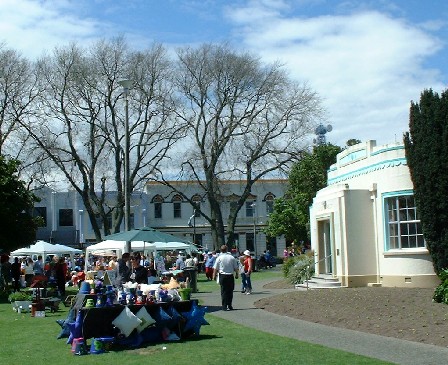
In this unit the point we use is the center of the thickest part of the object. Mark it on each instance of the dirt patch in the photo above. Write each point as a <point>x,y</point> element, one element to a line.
<point>405,313</point>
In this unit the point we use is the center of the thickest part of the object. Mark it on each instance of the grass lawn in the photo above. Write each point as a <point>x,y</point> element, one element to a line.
<point>27,340</point>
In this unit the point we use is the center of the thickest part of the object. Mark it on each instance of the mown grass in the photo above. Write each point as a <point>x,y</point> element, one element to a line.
<point>28,340</point>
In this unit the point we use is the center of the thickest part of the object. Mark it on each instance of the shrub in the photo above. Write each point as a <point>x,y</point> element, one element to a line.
<point>441,292</point>
<point>287,266</point>
<point>19,296</point>
<point>303,269</point>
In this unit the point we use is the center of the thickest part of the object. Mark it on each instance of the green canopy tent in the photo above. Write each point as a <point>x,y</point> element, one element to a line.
<point>145,234</point>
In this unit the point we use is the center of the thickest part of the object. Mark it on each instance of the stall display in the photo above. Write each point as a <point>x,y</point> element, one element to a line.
<point>132,316</point>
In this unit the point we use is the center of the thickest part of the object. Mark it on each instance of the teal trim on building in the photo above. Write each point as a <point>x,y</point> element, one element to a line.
<point>353,156</point>
<point>383,150</point>
<point>367,169</point>
<point>397,193</point>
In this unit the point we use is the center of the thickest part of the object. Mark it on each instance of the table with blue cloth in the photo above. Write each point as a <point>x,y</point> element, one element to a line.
<point>97,322</point>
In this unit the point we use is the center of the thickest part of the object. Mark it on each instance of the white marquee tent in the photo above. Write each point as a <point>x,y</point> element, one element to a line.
<point>44,248</point>
<point>111,247</point>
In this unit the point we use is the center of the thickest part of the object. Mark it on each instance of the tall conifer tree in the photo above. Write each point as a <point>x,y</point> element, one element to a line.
<point>426,146</point>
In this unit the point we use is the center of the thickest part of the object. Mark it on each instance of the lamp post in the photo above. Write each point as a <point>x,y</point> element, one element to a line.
<point>144,217</point>
<point>53,215</point>
<point>194,226</point>
<point>126,85</point>
<point>253,205</point>
<point>81,234</point>
<point>190,224</point>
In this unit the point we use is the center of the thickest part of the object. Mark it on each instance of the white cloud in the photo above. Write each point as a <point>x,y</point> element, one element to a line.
<point>367,66</point>
<point>33,26</point>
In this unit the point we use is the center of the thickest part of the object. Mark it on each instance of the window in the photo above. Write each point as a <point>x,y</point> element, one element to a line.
<point>269,198</point>
<point>157,210</point>
<point>250,209</point>
<point>158,200</point>
<point>177,206</point>
<point>197,205</point>
<point>41,212</point>
<point>403,227</point>
<point>66,217</point>
<point>250,242</point>
<point>271,245</point>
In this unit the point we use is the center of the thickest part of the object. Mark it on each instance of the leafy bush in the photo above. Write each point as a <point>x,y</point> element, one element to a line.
<point>303,269</point>
<point>441,292</point>
<point>287,266</point>
<point>19,296</point>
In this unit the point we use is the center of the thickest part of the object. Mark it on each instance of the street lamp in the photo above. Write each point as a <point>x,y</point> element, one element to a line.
<point>126,85</point>
<point>253,205</point>
<point>53,215</point>
<point>194,226</point>
<point>81,234</point>
<point>144,217</point>
<point>190,224</point>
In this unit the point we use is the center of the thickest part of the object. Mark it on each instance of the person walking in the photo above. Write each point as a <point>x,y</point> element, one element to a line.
<point>209,264</point>
<point>180,264</point>
<point>189,262</point>
<point>38,266</point>
<point>123,270</point>
<point>225,266</point>
<point>247,266</point>
<point>60,272</point>
<point>16,272</point>
<point>242,274</point>
<point>29,271</point>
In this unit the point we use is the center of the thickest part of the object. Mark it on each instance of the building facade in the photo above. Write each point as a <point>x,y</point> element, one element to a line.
<point>365,229</point>
<point>67,221</point>
<point>168,211</point>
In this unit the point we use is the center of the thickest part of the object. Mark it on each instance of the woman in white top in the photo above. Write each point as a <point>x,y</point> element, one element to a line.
<point>29,272</point>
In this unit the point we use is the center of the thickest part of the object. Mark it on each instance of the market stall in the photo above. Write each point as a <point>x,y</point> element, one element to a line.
<point>132,316</point>
<point>45,249</point>
<point>98,322</point>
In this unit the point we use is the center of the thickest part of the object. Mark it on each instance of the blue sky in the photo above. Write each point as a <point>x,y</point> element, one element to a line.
<point>366,59</point>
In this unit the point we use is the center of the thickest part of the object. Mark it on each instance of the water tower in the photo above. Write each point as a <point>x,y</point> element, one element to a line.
<point>320,131</point>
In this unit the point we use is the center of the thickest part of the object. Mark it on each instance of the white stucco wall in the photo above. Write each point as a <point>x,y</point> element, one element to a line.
<point>358,182</point>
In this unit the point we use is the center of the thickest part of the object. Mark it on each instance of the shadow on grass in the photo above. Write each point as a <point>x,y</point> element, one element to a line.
<point>213,308</point>
<point>148,345</point>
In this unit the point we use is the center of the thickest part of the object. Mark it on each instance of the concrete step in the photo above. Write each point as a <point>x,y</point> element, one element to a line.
<point>320,282</point>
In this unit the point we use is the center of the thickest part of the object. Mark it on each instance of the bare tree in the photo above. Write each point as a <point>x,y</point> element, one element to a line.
<point>244,120</point>
<point>18,91</point>
<point>81,122</point>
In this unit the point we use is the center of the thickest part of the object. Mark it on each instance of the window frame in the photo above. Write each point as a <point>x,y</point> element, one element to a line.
<point>65,217</point>
<point>250,209</point>
<point>269,200</point>
<point>401,223</point>
<point>177,206</point>
<point>158,207</point>
<point>158,210</point>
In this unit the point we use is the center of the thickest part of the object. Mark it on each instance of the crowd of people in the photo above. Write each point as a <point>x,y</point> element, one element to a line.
<point>224,267</point>
<point>21,272</point>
